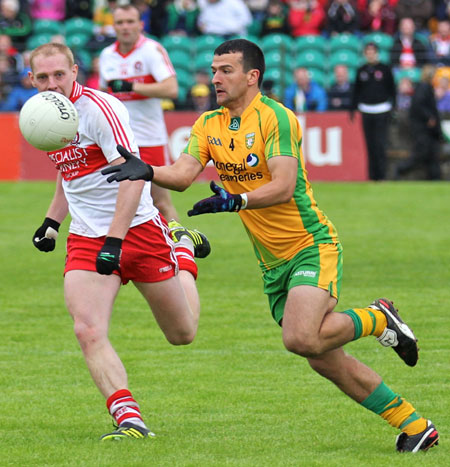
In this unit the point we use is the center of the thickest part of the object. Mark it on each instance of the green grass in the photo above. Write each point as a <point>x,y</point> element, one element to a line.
<point>234,397</point>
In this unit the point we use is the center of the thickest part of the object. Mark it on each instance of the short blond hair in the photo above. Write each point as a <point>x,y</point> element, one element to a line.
<point>50,49</point>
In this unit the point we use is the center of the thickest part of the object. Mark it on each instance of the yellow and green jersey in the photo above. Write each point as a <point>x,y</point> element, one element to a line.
<point>240,148</point>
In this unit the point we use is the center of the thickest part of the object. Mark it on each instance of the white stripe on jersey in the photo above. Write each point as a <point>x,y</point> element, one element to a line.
<point>116,126</point>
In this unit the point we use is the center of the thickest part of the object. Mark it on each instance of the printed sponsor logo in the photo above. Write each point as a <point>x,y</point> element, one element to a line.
<point>306,273</point>
<point>252,160</point>
<point>165,269</point>
<point>214,141</point>
<point>237,172</point>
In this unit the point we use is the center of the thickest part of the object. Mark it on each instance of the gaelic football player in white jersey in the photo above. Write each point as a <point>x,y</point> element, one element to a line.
<point>137,70</point>
<point>115,235</point>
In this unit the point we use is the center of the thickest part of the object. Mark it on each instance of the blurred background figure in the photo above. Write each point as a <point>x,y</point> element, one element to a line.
<point>442,93</point>
<point>14,22</point>
<point>53,10</point>
<point>405,91</point>
<point>306,17</point>
<point>19,94</point>
<point>420,11</point>
<point>440,44</point>
<point>408,51</point>
<point>426,131</point>
<point>93,77</point>
<point>342,17</point>
<point>378,16</point>
<point>182,17</point>
<point>267,88</point>
<point>341,92</point>
<point>200,98</point>
<point>305,95</point>
<point>104,23</point>
<point>202,77</point>
<point>275,19</point>
<point>7,48</point>
<point>374,95</point>
<point>8,77</point>
<point>223,18</point>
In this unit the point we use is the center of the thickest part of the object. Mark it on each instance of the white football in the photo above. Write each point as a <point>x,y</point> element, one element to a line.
<point>48,121</point>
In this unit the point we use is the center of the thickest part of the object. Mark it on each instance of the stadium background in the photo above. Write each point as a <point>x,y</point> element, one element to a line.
<point>82,26</point>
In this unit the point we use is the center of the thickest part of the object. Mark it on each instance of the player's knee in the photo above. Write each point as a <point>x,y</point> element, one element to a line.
<point>181,337</point>
<point>87,335</point>
<point>301,345</point>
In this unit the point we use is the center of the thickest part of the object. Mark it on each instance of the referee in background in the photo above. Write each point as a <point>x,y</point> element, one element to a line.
<point>374,96</point>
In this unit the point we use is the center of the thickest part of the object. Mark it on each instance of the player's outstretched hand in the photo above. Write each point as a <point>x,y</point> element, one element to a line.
<point>108,258</point>
<point>132,169</point>
<point>222,201</point>
<point>44,239</point>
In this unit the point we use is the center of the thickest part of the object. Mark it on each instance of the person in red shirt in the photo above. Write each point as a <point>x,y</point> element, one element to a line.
<point>306,17</point>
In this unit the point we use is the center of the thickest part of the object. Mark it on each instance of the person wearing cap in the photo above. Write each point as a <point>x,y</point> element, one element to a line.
<point>200,96</point>
<point>202,77</point>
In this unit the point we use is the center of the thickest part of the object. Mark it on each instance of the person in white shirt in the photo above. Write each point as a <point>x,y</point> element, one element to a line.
<point>116,235</point>
<point>223,17</point>
<point>137,70</point>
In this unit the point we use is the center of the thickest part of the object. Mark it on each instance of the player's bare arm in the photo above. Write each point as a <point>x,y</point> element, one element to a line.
<point>179,175</point>
<point>126,205</point>
<point>165,89</point>
<point>58,208</point>
<point>280,189</point>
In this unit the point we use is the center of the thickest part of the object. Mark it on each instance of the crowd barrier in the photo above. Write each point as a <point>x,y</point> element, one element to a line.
<point>333,147</point>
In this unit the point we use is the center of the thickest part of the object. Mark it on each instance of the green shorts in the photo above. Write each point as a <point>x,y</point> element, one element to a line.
<point>318,265</point>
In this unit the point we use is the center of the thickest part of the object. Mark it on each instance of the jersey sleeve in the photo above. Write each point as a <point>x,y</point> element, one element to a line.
<point>160,65</point>
<point>283,134</point>
<point>101,66</point>
<point>197,145</point>
<point>111,127</point>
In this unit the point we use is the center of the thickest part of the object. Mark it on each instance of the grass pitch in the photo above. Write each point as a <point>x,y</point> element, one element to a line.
<point>234,397</point>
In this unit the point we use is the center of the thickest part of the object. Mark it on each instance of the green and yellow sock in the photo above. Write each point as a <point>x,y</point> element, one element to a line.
<point>367,322</point>
<point>398,412</point>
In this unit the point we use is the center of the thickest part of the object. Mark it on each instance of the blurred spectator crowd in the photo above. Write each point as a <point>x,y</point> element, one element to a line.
<point>313,48</point>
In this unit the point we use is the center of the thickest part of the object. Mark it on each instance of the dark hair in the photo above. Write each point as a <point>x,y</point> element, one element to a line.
<point>371,44</point>
<point>252,56</point>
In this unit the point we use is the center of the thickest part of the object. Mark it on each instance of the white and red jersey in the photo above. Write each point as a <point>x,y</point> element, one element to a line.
<point>147,62</point>
<point>103,124</point>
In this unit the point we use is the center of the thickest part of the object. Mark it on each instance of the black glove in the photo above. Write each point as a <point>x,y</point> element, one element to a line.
<point>44,238</point>
<point>120,85</point>
<point>132,169</point>
<point>222,201</point>
<point>108,258</point>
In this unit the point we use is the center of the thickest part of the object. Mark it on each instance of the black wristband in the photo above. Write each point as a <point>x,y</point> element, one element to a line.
<point>51,223</point>
<point>113,241</point>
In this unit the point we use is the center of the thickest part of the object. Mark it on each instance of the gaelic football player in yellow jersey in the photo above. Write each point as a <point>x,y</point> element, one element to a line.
<point>255,144</point>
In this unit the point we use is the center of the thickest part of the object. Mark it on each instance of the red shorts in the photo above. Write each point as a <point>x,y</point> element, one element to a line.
<point>148,253</point>
<point>155,155</point>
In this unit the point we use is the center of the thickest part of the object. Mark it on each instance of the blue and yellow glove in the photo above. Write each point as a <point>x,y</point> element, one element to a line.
<point>222,201</point>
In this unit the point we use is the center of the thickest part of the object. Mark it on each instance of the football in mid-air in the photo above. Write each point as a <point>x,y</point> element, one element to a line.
<point>48,121</point>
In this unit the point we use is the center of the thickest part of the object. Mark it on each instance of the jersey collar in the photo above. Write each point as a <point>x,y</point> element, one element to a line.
<point>77,91</point>
<point>138,43</point>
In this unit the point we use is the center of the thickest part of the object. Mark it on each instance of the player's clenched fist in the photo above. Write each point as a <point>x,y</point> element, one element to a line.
<point>108,259</point>
<point>44,238</point>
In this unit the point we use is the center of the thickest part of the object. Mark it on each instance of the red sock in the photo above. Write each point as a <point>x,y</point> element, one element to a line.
<point>123,407</point>
<point>186,261</point>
